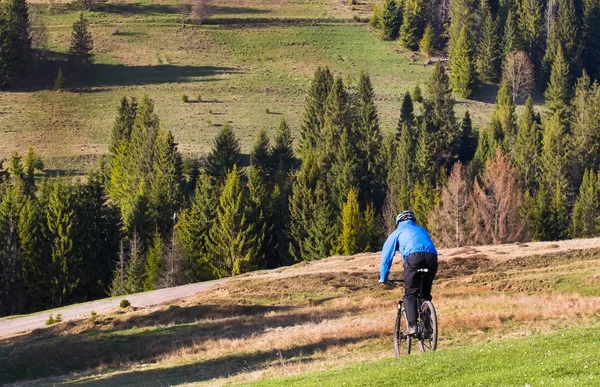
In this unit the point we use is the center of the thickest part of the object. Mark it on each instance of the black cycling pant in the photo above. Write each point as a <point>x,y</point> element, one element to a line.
<point>412,281</point>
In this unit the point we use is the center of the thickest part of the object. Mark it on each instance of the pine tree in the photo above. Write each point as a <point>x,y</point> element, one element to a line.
<point>261,152</point>
<point>31,164</point>
<point>81,42</point>
<point>135,270</point>
<point>412,24</point>
<point>230,233</point>
<point>591,37</point>
<point>527,149</point>
<point>389,20</point>
<point>461,14</point>
<point>314,113</point>
<point>504,111</point>
<point>468,140</point>
<point>371,229</point>
<point>569,33</point>
<point>117,285</point>
<point>462,68</point>
<point>154,263</point>
<point>428,43</point>
<point>586,211</point>
<point>488,64</point>
<point>123,124</point>
<point>351,239</point>
<point>283,160</point>
<point>15,43</point>
<point>423,202</point>
<point>531,28</point>
<point>193,227</point>
<point>401,174</point>
<point>15,168</point>
<point>417,95</point>
<point>557,93</point>
<point>59,81</point>
<point>260,215</point>
<point>225,154</point>
<point>488,140</point>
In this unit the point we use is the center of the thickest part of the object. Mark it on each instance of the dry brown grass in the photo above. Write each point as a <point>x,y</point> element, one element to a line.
<point>316,315</point>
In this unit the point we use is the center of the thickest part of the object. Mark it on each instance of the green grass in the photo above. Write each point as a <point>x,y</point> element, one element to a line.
<point>250,57</point>
<point>566,358</point>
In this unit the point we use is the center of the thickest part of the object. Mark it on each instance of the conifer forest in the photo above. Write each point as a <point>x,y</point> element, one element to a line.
<point>148,217</point>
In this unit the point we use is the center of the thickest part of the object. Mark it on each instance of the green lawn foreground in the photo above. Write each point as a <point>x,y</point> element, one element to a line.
<point>570,357</point>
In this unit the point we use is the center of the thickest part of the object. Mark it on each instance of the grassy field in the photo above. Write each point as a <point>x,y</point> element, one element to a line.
<point>560,359</point>
<point>250,56</point>
<point>319,315</point>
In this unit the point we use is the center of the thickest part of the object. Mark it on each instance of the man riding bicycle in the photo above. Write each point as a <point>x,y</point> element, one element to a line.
<point>418,252</point>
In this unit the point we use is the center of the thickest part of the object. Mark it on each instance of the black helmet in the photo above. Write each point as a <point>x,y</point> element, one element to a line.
<point>405,215</point>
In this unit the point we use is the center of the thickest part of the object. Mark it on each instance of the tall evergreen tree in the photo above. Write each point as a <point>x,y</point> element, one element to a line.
<point>586,211</point>
<point>591,37</point>
<point>283,160</point>
<point>468,139</point>
<point>413,24</point>
<point>528,146</point>
<point>135,270</point>
<point>569,32</point>
<point>231,232</point>
<point>261,152</point>
<point>511,40</point>
<point>428,43</point>
<point>401,175</point>
<point>81,42</point>
<point>314,113</point>
<point>260,215</point>
<point>351,239</point>
<point>504,111</point>
<point>462,64</point>
<point>31,164</point>
<point>389,20</point>
<point>558,91</point>
<point>531,28</point>
<point>15,43</point>
<point>585,124</point>
<point>488,55</point>
<point>123,124</point>
<point>407,115</point>
<point>224,155</point>
<point>155,264</point>
<point>488,140</point>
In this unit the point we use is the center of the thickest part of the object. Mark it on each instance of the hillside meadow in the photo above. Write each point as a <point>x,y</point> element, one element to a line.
<point>324,314</point>
<point>249,64</point>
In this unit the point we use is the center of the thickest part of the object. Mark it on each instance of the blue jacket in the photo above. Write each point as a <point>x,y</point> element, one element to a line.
<point>408,238</point>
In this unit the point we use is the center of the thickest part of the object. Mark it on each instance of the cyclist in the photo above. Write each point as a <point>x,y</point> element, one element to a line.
<point>418,252</point>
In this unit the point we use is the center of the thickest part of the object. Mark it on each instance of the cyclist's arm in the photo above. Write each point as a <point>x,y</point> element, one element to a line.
<point>387,256</point>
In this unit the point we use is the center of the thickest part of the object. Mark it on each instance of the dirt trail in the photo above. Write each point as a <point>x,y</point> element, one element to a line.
<point>38,320</point>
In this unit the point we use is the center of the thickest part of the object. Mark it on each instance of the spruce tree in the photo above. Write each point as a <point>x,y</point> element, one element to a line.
<point>591,37</point>
<point>487,142</point>
<point>504,111</point>
<point>468,140</point>
<point>488,63</point>
<point>511,40</point>
<point>371,229</point>
<point>407,115</point>
<point>531,28</point>
<point>557,93</point>
<point>154,263</point>
<point>389,20</point>
<point>586,211</point>
<point>314,113</point>
<point>283,159</point>
<point>261,152</point>
<point>401,174</point>
<point>225,154</point>
<point>123,124</point>
<point>569,32</point>
<point>81,42</point>
<point>230,234</point>
<point>412,24</point>
<point>135,270</point>
<point>193,227</point>
<point>417,95</point>
<point>462,64</point>
<point>260,215</point>
<point>527,149</point>
<point>15,43</point>
<point>31,164</point>
<point>428,43</point>
<point>585,123</point>
<point>351,239</point>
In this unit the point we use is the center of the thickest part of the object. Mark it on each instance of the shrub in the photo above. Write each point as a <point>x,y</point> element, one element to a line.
<point>184,98</point>
<point>50,320</point>
<point>58,318</point>
<point>376,17</point>
<point>353,2</point>
<point>93,317</point>
<point>267,111</point>
<point>199,97</point>
<point>125,304</point>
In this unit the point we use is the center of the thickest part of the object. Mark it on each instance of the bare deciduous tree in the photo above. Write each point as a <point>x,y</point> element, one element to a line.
<point>449,222</point>
<point>200,10</point>
<point>519,73</point>
<point>497,204</point>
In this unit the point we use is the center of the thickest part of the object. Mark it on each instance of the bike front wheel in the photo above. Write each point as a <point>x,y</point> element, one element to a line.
<point>402,342</point>
<point>429,337</point>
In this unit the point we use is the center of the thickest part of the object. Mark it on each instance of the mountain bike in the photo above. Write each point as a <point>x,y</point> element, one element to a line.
<point>427,323</point>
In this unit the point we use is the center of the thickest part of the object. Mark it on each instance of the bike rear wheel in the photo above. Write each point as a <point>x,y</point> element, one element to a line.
<point>429,336</point>
<point>402,342</point>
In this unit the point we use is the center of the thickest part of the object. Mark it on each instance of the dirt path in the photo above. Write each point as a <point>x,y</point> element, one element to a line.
<point>35,321</point>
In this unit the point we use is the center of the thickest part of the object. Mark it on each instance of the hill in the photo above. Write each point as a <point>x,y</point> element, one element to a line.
<point>317,315</point>
<point>250,64</point>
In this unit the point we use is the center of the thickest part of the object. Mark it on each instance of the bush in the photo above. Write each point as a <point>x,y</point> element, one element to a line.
<point>58,318</point>
<point>267,111</point>
<point>125,304</point>
<point>185,98</point>
<point>376,17</point>
<point>199,97</point>
<point>50,320</point>
<point>93,317</point>
<point>353,2</point>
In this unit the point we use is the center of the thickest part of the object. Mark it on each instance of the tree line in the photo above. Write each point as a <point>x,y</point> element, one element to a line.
<point>490,40</point>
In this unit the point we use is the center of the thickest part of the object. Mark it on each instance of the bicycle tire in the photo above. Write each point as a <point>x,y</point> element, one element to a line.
<point>428,339</point>
<point>399,327</point>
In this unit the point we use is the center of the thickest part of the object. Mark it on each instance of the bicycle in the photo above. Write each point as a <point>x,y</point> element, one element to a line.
<point>427,323</point>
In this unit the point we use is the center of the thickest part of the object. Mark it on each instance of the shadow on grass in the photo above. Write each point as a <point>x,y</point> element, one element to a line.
<point>224,366</point>
<point>81,79</point>
<point>145,339</point>
<point>225,10</point>
<point>128,9</point>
